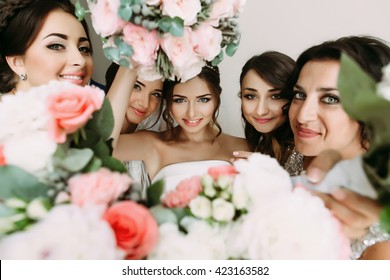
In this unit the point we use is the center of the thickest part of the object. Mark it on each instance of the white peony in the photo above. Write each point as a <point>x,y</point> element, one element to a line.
<point>29,150</point>
<point>67,232</point>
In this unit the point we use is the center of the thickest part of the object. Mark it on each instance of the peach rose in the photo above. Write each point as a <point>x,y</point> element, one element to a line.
<point>224,170</point>
<point>71,108</point>
<point>144,42</point>
<point>105,19</point>
<point>100,187</point>
<point>186,191</point>
<point>2,157</point>
<point>135,228</point>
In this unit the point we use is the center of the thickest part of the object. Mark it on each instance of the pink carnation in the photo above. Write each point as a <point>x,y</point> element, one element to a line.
<point>135,228</point>
<point>71,108</point>
<point>144,42</point>
<point>2,157</point>
<point>100,187</point>
<point>186,191</point>
<point>224,170</point>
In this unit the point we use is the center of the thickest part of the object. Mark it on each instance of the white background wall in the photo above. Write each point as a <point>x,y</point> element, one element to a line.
<point>288,26</point>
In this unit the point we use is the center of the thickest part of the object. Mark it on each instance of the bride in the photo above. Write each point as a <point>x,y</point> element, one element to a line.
<point>189,148</point>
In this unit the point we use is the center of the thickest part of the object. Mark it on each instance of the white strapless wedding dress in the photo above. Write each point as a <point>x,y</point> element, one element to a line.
<point>174,173</point>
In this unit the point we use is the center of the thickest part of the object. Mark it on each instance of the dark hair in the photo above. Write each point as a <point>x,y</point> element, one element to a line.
<point>274,68</point>
<point>371,53</point>
<point>20,23</point>
<point>210,75</point>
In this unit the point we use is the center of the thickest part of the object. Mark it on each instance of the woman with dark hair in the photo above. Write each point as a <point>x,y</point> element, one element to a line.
<point>42,40</point>
<point>319,121</point>
<point>192,146</point>
<point>264,111</point>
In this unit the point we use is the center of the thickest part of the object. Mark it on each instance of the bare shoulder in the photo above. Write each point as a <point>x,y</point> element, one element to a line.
<point>137,145</point>
<point>235,143</point>
<point>378,251</point>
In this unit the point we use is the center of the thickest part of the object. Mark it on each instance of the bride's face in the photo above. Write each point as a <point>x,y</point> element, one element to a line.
<point>193,105</point>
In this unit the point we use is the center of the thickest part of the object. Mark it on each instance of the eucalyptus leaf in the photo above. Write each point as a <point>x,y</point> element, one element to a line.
<point>17,183</point>
<point>93,165</point>
<point>164,24</point>
<point>76,159</point>
<point>102,121</point>
<point>125,12</point>
<point>163,215</point>
<point>176,27</point>
<point>79,11</point>
<point>113,164</point>
<point>231,49</point>
<point>124,63</point>
<point>111,53</point>
<point>217,60</point>
<point>154,193</point>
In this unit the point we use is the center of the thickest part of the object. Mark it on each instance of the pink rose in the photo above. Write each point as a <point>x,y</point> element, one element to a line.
<point>144,42</point>
<point>222,9</point>
<point>2,157</point>
<point>100,187</point>
<point>238,6</point>
<point>186,191</point>
<point>180,51</point>
<point>105,19</point>
<point>207,41</point>
<point>187,10</point>
<point>135,228</point>
<point>224,170</point>
<point>71,108</point>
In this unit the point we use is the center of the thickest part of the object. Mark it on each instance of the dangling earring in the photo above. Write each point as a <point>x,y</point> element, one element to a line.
<point>23,77</point>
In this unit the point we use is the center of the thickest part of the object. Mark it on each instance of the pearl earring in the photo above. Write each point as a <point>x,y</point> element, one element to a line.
<point>23,77</point>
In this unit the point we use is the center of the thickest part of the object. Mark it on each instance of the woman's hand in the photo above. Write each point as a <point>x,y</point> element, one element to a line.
<point>240,155</point>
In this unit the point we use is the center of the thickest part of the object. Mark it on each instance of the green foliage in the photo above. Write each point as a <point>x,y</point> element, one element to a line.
<point>125,11</point>
<point>154,193</point>
<point>231,49</point>
<point>17,183</point>
<point>175,25</point>
<point>79,11</point>
<point>360,100</point>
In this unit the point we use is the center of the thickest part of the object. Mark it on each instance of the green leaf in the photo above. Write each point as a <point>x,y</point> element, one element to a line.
<point>164,24</point>
<point>385,218</point>
<point>101,149</point>
<point>111,53</point>
<point>76,159</point>
<point>217,60</point>
<point>125,12</point>
<point>231,49</point>
<point>93,165</point>
<point>154,193</point>
<point>163,215</point>
<point>79,11</point>
<point>114,164</point>
<point>102,121</point>
<point>15,182</point>
<point>176,27</point>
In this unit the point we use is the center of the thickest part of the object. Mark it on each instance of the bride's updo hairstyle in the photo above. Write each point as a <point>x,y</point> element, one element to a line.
<point>20,24</point>
<point>210,75</point>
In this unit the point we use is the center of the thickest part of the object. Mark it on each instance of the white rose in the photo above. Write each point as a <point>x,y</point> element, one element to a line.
<point>208,188</point>
<point>240,198</point>
<point>225,181</point>
<point>15,203</point>
<point>201,207</point>
<point>223,211</point>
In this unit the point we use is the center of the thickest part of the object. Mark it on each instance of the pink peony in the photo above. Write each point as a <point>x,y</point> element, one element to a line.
<point>222,9</point>
<point>224,170</point>
<point>207,41</point>
<point>135,229</point>
<point>2,157</point>
<point>187,10</point>
<point>145,43</point>
<point>186,191</point>
<point>100,187</point>
<point>105,19</point>
<point>71,108</point>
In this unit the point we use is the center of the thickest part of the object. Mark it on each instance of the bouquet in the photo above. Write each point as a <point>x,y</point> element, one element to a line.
<point>165,38</point>
<point>369,102</point>
<point>62,194</point>
<point>249,211</point>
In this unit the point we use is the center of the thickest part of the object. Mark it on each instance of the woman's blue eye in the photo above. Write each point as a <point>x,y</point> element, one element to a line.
<point>204,99</point>
<point>56,47</point>
<point>299,96</point>
<point>156,94</point>
<point>330,100</point>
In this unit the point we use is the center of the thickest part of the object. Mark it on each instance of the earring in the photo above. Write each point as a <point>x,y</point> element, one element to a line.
<point>23,77</point>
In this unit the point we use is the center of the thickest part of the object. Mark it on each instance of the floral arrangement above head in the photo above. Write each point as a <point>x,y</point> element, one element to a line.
<point>165,38</point>
<point>62,194</point>
<point>369,102</point>
<point>246,211</point>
